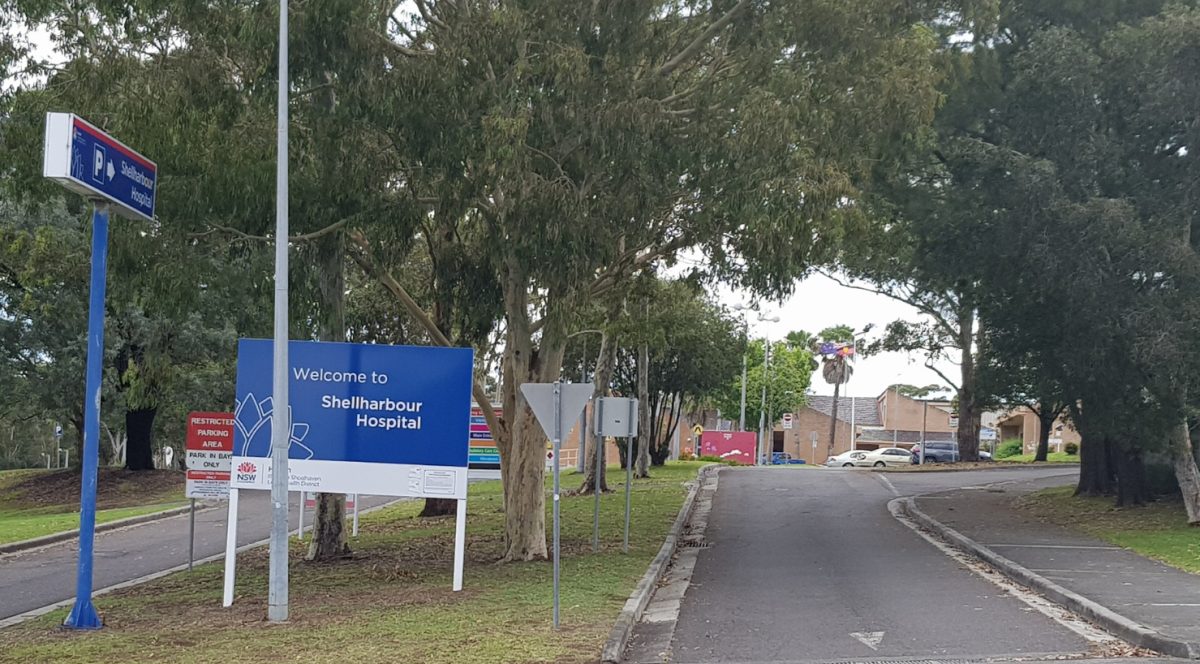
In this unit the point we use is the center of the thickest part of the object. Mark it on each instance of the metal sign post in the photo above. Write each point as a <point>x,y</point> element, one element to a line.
<point>191,533</point>
<point>551,403</point>
<point>629,468</point>
<point>596,481</point>
<point>88,161</point>
<point>617,417</point>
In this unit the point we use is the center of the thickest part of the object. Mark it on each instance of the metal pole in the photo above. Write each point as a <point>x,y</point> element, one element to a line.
<point>633,404</point>
<point>557,446</point>
<point>83,613</point>
<point>599,443</point>
<point>300,530</point>
<point>354,532</point>
<point>762,409</point>
<point>924,415</point>
<point>581,455</point>
<point>277,600</point>
<point>742,417</point>
<point>191,534</point>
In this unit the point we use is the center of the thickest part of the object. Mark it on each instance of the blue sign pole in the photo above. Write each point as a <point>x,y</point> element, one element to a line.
<point>83,614</point>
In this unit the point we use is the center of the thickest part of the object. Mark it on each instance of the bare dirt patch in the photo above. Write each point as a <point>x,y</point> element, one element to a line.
<point>115,488</point>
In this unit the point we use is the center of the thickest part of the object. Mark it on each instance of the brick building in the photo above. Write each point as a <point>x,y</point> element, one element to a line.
<point>864,423</point>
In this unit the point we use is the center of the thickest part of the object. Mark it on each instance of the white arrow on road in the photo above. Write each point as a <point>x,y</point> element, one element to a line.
<point>111,171</point>
<point>869,639</point>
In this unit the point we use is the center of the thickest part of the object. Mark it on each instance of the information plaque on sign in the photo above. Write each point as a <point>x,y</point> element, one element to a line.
<point>209,449</point>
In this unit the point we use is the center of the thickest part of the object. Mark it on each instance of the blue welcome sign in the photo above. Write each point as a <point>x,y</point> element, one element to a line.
<point>365,418</point>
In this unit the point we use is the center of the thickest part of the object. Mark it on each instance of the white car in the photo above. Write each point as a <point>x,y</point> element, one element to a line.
<point>845,459</point>
<point>886,456</point>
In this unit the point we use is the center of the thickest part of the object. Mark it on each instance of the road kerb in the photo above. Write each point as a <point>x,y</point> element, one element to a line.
<point>1117,624</point>
<point>618,638</point>
<point>47,540</point>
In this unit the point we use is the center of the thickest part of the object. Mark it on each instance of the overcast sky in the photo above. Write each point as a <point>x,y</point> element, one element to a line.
<point>820,302</point>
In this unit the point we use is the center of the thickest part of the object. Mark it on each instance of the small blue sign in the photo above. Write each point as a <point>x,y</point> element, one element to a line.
<point>85,159</point>
<point>485,458</point>
<point>359,402</point>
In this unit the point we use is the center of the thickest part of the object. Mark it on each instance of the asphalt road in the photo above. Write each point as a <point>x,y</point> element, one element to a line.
<point>809,565</point>
<point>33,579</point>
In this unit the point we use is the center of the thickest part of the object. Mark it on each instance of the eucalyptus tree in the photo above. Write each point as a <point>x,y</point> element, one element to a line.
<point>593,142</point>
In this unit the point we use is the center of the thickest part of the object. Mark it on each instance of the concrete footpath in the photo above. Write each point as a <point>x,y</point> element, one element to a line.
<point>1141,600</point>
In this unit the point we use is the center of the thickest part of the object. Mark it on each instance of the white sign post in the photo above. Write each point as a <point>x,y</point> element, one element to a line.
<point>553,404</point>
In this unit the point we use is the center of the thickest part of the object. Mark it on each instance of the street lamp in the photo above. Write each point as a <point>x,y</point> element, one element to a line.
<point>746,329</point>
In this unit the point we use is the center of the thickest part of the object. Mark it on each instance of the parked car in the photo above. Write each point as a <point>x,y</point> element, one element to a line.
<point>936,452</point>
<point>885,456</point>
<point>942,452</point>
<point>845,459</point>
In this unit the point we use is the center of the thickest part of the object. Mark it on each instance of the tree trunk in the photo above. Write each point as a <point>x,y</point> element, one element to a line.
<point>645,433</point>
<point>1045,422</point>
<point>605,363</point>
<point>1186,472</point>
<point>832,420</point>
<point>1095,472</point>
<point>439,507</point>
<point>139,450</point>
<point>1132,488</point>
<point>970,417</point>
<point>329,522</point>
<point>523,444</point>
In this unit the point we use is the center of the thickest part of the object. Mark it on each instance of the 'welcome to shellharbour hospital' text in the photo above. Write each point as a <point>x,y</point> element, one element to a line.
<point>403,415</point>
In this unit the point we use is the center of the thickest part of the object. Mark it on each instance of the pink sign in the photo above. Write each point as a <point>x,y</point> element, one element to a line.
<point>735,446</point>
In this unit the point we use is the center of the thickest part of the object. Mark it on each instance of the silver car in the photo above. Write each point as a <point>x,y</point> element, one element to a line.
<point>845,459</point>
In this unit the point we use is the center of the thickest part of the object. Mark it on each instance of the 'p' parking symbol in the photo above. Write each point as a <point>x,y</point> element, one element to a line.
<point>98,161</point>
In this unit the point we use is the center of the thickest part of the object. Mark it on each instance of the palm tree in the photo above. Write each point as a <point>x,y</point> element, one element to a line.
<point>835,369</point>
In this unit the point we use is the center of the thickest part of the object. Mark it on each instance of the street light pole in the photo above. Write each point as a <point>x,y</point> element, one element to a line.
<point>742,417</point>
<point>762,410</point>
<point>924,415</point>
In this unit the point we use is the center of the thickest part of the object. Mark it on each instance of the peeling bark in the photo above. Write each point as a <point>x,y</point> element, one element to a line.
<point>1184,461</point>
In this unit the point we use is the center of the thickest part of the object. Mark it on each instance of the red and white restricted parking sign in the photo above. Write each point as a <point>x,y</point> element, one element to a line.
<point>209,450</point>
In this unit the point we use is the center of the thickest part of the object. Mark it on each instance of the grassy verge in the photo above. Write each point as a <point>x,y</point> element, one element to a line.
<point>391,601</point>
<point>34,503</point>
<point>1052,457</point>
<point>26,524</point>
<point>1158,530</point>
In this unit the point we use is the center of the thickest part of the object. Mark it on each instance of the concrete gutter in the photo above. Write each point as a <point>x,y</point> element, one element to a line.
<point>38,542</point>
<point>618,638</point>
<point>1115,623</point>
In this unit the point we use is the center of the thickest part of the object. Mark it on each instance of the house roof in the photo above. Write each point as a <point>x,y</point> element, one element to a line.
<point>888,436</point>
<point>866,411</point>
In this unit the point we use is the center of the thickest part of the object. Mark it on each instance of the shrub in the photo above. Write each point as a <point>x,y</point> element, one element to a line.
<point>686,454</point>
<point>1010,448</point>
<point>1071,449</point>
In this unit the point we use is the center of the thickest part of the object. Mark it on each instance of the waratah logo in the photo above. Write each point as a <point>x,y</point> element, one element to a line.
<point>247,472</point>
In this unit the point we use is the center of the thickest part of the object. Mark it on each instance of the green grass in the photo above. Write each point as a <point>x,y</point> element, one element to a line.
<point>1158,530</point>
<point>50,504</point>
<point>1052,457</point>
<point>26,524</point>
<point>391,601</point>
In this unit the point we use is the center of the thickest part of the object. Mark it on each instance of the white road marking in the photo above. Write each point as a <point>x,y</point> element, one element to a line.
<point>1036,602</point>
<point>869,639</point>
<point>888,483</point>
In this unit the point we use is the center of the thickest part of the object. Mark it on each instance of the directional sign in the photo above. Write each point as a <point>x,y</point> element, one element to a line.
<point>90,162</point>
<point>573,398</point>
